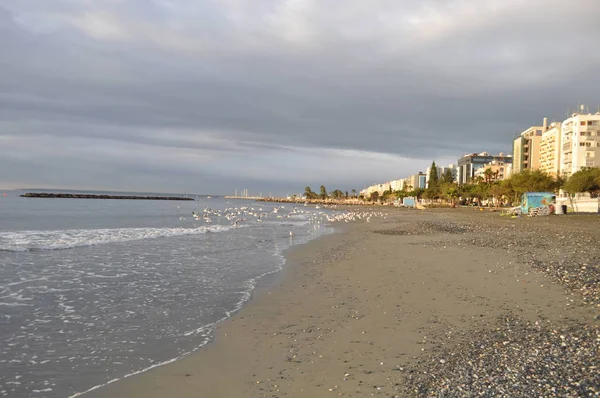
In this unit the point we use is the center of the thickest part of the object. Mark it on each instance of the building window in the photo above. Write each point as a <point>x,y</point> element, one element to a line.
<point>582,123</point>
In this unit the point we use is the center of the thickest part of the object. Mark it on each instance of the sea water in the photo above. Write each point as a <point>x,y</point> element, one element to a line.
<point>94,290</point>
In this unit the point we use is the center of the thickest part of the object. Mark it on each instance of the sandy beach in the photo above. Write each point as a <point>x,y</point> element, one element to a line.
<point>433,303</point>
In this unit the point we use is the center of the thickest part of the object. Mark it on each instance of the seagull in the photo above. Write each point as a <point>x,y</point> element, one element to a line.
<point>291,234</point>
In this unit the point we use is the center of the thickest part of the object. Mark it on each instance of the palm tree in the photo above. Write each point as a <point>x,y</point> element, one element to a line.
<point>323,192</point>
<point>489,175</point>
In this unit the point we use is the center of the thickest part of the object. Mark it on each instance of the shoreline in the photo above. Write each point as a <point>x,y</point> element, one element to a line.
<point>353,310</point>
<point>262,283</point>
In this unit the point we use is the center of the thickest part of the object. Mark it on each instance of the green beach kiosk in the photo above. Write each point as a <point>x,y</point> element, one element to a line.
<point>532,200</point>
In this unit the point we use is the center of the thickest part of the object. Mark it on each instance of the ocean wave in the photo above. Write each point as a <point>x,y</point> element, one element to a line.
<point>21,241</point>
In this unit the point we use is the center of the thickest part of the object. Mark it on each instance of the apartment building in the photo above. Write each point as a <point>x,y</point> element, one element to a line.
<point>470,163</point>
<point>397,185</point>
<point>500,170</point>
<point>526,148</point>
<point>368,191</point>
<point>415,181</point>
<point>580,142</point>
<point>550,149</point>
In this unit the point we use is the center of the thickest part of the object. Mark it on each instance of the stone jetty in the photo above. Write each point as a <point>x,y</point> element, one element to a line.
<point>90,196</point>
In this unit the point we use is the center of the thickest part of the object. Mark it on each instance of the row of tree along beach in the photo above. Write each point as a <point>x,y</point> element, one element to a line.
<point>443,190</point>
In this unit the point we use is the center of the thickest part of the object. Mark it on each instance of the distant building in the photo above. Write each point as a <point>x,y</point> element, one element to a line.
<point>580,143</point>
<point>415,181</point>
<point>550,149</point>
<point>508,170</point>
<point>379,188</point>
<point>441,171</point>
<point>469,164</point>
<point>526,148</point>
<point>397,185</point>
<point>499,170</point>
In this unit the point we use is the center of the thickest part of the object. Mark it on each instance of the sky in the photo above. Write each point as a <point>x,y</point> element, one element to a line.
<point>209,96</point>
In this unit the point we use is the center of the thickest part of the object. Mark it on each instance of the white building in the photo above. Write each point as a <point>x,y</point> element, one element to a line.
<point>441,170</point>
<point>580,143</point>
<point>550,149</point>
<point>397,185</point>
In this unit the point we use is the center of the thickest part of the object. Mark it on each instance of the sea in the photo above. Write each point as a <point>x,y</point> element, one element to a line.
<point>92,291</point>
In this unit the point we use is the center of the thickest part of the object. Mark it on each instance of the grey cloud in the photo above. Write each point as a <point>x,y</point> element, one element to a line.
<point>239,84</point>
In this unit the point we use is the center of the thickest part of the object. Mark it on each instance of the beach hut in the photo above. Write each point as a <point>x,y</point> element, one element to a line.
<point>409,201</point>
<point>533,200</point>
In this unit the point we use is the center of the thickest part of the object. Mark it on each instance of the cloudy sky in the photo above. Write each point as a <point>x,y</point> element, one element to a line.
<point>206,96</point>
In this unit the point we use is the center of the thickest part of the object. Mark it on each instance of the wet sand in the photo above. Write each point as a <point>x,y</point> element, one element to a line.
<point>361,312</point>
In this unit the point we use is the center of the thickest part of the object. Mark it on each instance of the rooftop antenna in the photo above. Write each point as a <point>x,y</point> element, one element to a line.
<point>581,108</point>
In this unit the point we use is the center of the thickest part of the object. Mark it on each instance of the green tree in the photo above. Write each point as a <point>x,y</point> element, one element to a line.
<point>449,191</point>
<point>433,185</point>
<point>388,194</point>
<point>499,191</point>
<point>433,176</point>
<point>585,180</point>
<point>417,192</point>
<point>488,175</point>
<point>323,194</point>
<point>374,196</point>
<point>347,195</point>
<point>529,181</point>
<point>354,193</point>
<point>400,194</point>
<point>309,193</point>
<point>447,177</point>
<point>337,194</point>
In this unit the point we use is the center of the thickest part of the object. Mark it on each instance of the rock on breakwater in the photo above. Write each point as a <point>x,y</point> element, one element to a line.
<point>89,196</point>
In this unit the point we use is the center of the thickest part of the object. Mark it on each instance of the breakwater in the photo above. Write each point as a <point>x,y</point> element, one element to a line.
<point>90,196</point>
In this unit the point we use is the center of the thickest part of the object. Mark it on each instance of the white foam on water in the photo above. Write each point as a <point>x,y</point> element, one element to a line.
<point>156,365</point>
<point>72,238</point>
<point>205,330</point>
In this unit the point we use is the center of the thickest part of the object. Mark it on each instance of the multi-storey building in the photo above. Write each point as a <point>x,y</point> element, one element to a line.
<point>508,170</point>
<point>394,185</point>
<point>468,164</point>
<point>498,169</point>
<point>397,185</point>
<point>368,191</point>
<point>441,171</point>
<point>415,181</point>
<point>550,149</point>
<point>580,143</point>
<point>526,149</point>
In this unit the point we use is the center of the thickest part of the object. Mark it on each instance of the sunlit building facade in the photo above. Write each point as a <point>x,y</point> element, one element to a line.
<point>580,143</point>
